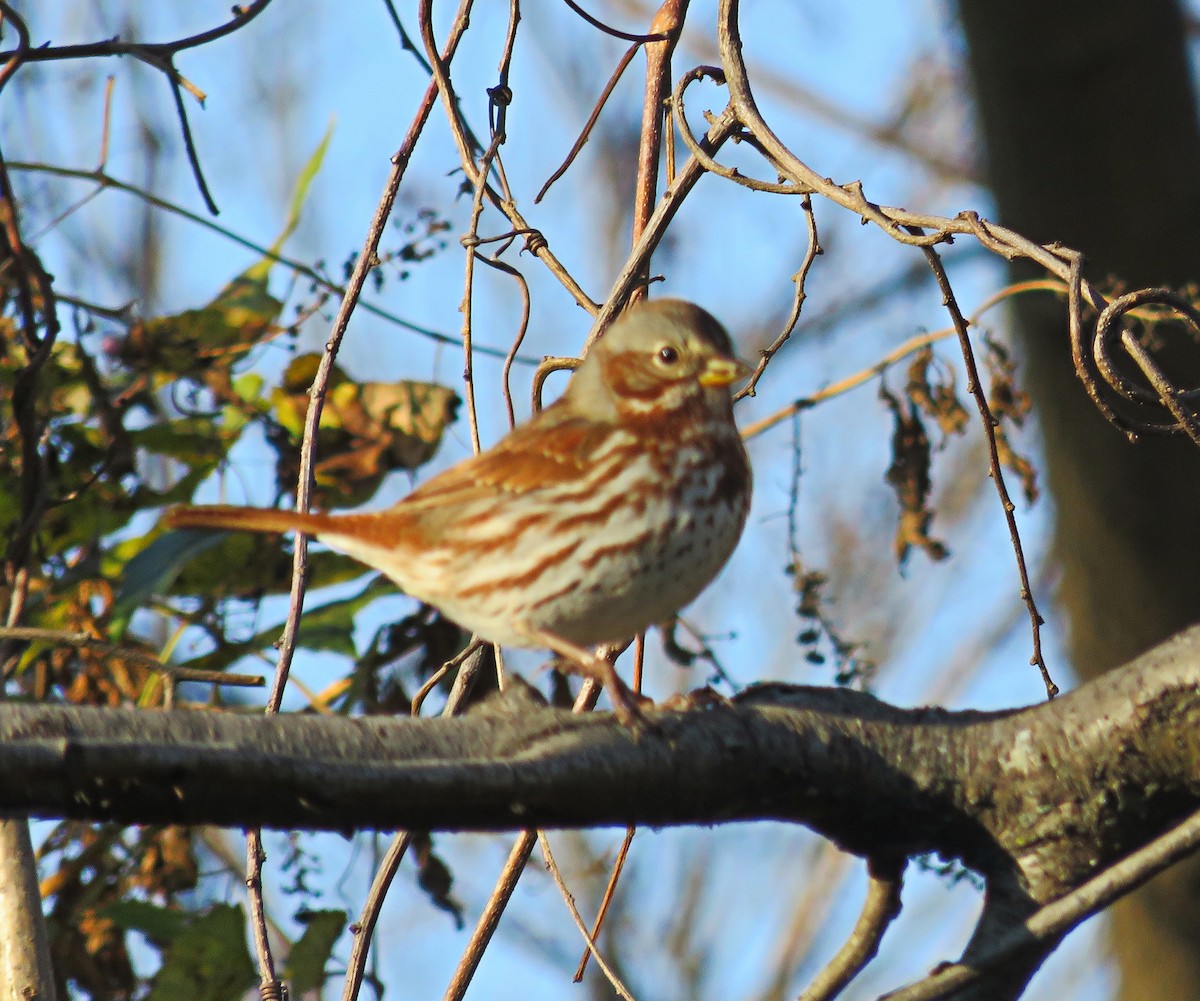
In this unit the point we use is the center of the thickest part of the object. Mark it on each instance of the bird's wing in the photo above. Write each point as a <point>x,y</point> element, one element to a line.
<point>552,449</point>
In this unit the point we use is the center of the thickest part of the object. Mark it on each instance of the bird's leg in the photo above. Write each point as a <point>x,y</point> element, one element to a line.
<point>626,702</point>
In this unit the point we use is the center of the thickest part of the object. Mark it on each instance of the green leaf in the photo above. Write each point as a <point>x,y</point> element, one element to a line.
<point>154,569</point>
<point>245,565</point>
<point>207,961</point>
<point>330,627</point>
<point>193,440</point>
<point>306,962</point>
<point>160,925</point>
<point>299,194</point>
<point>241,565</point>
<point>202,344</point>
<point>326,568</point>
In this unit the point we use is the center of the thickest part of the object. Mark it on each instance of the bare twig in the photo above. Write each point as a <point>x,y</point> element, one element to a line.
<point>506,884</point>
<point>536,243</point>
<point>722,129</point>
<point>161,56</point>
<point>435,679</point>
<point>1056,919</point>
<point>489,919</point>
<point>469,663</point>
<point>269,983</point>
<point>304,487</point>
<point>586,131</point>
<point>608,29</point>
<point>995,467</point>
<point>104,180</point>
<point>153,53</point>
<point>898,353</point>
<point>19,55</point>
<point>522,330</point>
<point>1109,331</point>
<point>610,890</point>
<point>667,21</point>
<point>176,673</point>
<point>799,279</point>
<point>879,910</point>
<point>621,990</point>
<point>547,368</point>
<point>189,146</point>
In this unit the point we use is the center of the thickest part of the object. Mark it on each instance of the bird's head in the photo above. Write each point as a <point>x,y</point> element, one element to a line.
<point>659,357</point>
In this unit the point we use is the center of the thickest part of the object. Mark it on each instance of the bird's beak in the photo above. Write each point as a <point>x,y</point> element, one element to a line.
<point>723,371</point>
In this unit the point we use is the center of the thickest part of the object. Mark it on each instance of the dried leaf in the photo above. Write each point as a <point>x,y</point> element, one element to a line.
<point>909,476</point>
<point>367,429</point>
<point>1009,405</point>
<point>435,878</point>
<point>938,400</point>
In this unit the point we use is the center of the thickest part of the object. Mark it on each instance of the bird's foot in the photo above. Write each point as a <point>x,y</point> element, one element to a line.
<point>627,704</point>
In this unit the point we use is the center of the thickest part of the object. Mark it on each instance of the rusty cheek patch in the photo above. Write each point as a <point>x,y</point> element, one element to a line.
<point>630,378</point>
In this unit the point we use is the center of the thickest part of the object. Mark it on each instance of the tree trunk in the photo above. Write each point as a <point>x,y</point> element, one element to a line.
<point>1088,116</point>
<point>25,973</point>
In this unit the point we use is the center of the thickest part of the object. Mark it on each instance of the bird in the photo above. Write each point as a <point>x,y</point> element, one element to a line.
<point>605,513</point>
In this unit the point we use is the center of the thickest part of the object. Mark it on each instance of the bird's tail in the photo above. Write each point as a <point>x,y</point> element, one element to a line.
<point>245,519</point>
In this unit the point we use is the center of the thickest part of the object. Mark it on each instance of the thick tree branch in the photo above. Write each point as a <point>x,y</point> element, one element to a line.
<point>1038,799</point>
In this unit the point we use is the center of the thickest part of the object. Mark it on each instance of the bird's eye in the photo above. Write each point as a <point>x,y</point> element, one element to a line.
<point>668,355</point>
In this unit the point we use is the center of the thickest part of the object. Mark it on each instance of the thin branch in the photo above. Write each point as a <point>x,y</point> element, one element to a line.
<point>669,22</point>
<point>716,74</point>
<point>269,983</point>
<point>549,365</point>
<point>406,42</point>
<point>722,129</point>
<point>926,231</point>
<point>586,132</point>
<point>363,929</point>
<point>799,279</point>
<point>104,180</point>
<point>608,29</point>
<point>176,673</point>
<point>469,663</point>
<point>899,353</point>
<point>106,122</point>
<point>785,86</point>
<point>358,278</point>
<point>189,146</point>
<point>880,909</point>
<point>22,53</point>
<point>500,97</point>
<point>522,329</point>
<point>995,467</point>
<point>1054,920</point>
<point>468,241</point>
<point>304,487</point>
<point>489,918</point>
<point>506,884</point>
<point>610,890</point>
<point>536,243</point>
<point>610,974</point>
<point>1110,330</point>
<point>148,51</point>
<point>161,56</point>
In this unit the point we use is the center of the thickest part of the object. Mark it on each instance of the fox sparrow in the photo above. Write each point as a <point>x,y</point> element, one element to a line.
<point>606,513</point>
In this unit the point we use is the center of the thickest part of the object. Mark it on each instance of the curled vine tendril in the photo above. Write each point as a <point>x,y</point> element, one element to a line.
<point>1112,331</point>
